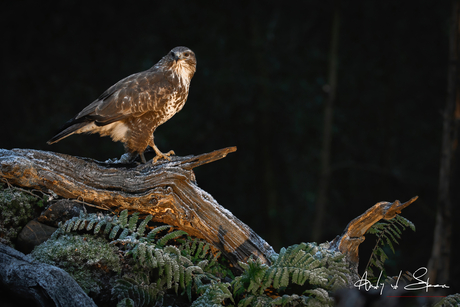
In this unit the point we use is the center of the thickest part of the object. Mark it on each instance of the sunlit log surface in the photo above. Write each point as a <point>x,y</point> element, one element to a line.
<point>353,235</point>
<point>167,190</point>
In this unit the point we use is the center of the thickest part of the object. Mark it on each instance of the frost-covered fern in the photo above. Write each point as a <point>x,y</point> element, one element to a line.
<point>164,260</point>
<point>137,291</point>
<point>388,233</point>
<point>451,300</point>
<point>178,266</point>
<point>212,295</point>
<point>314,268</point>
<point>110,225</point>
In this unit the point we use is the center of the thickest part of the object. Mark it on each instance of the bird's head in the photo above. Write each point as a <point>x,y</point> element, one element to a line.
<point>183,61</point>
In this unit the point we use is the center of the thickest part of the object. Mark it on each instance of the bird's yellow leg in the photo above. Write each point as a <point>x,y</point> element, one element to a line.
<point>159,154</point>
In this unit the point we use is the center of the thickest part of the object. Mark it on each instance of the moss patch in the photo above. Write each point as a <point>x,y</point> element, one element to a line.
<point>90,260</point>
<point>16,210</point>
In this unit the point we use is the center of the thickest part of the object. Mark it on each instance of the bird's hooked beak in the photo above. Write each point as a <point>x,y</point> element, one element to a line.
<point>175,56</point>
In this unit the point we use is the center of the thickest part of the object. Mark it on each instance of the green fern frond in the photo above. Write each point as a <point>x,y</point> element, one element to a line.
<point>124,234</point>
<point>124,226</point>
<point>141,229</point>
<point>314,268</point>
<point>137,291</point>
<point>123,218</point>
<point>98,226</point>
<point>126,302</point>
<point>451,300</point>
<point>170,236</point>
<point>132,222</point>
<point>114,231</point>
<point>404,222</point>
<point>321,296</point>
<point>213,295</point>
<point>152,234</point>
<point>388,233</point>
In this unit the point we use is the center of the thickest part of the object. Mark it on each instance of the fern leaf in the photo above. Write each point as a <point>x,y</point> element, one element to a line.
<point>76,224</point>
<point>123,218</point>
<point>199,248</point>
<point>299,256</point>
<point>202,264</point>
<point>185,261</point>
<point>132,223</point>
<point>99,226</point>
<point>280,256</point>
<point>451,300</point>
<point>182,278</point>
<point>388,242</point>
<point>284,281</point>
<point>168,270</point>
<point>152,259</point>
<point>123,234</point>
<point>176,272</point>
<point>246,301</point>
<point>141,229</point>
<point>321,295</point>
<point>383,257</point>
<point>151,235</point>
<point>141,252</point>
<point>69,224</point>
<point>170,236</point>
<point>108,227</point>
<point>114,231</point>
<point>160,260</point>
<point>405,222</point>
<point>205,250</point>
<point>277,278</point>
<point>126,302</point>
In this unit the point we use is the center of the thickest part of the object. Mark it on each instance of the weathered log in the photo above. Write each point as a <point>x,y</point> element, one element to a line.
<point>167,190</point>
<point>353,235</point>
<point>42,284</point>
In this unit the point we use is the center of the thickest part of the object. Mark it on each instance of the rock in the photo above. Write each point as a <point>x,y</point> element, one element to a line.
<point>44,284</point>
<point>33,234</point>
<point>60,211</point>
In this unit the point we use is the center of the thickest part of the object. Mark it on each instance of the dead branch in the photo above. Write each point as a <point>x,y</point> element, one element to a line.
<point>167,190</point>
<point>353,235</point>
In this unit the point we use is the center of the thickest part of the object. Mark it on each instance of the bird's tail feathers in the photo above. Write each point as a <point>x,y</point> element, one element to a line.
<point>66,132</point>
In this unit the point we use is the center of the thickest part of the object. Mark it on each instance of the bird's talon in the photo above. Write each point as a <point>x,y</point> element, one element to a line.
<point>161,155</point>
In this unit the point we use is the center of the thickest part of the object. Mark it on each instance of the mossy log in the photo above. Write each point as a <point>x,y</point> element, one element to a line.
<point>167,190</point>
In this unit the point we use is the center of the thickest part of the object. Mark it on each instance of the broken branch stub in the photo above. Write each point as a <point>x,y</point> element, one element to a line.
<point>353,235</point>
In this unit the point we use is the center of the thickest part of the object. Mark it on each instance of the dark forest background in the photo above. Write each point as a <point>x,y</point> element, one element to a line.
<point>260,85</point>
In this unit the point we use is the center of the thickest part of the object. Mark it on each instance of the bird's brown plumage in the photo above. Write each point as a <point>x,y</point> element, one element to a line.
<point>131,110</point>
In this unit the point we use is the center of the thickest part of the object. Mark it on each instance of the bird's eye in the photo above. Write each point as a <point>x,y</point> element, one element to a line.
<point>172,54</point>
<point>187,54</point>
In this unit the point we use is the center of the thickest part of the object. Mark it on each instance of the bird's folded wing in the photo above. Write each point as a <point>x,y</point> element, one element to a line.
<point>132,96</point>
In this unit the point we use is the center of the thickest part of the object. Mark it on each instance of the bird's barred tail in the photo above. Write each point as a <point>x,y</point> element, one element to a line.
<point>66,132</point>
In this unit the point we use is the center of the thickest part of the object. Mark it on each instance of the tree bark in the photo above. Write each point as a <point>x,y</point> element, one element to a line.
<point>167,190</point>
<point>439,264</point>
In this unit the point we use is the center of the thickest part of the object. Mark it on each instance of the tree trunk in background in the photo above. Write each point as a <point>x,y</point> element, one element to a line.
<point>265,138</point>
<point>439,264</point>
<point>331,90</point>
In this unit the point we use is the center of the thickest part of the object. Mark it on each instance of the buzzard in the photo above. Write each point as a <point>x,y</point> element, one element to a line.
<point>130,110</point>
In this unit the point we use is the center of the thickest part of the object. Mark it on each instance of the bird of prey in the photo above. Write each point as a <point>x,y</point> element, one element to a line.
<point>130,110</point>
